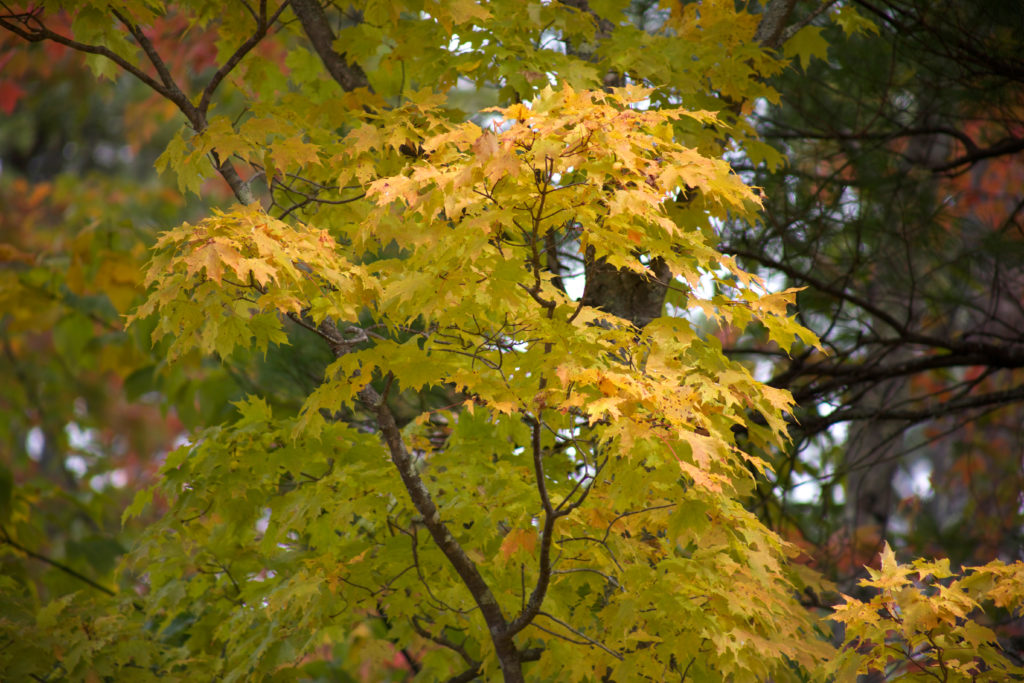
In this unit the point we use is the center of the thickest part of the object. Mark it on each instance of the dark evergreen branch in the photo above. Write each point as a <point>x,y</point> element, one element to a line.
<point>929,412</point>
<point>1004,147</point>
<point>844,376</point>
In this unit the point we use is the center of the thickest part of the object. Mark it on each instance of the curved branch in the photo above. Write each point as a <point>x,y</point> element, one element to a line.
<point>41,33</point>
<point>818,284</point>
<point>166,87</point>
<point>240,188</point>
<point>973,156</point>
<point>470,674</point>
<point>446,642</point>
<point>6,538</point>
<point>540,588</point>
<point>173,91</point>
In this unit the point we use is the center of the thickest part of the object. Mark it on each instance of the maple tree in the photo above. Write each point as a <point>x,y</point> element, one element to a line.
<point>483,238</point>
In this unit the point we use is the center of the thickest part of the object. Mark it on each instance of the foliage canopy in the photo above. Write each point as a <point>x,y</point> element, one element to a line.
<point>480,242</point>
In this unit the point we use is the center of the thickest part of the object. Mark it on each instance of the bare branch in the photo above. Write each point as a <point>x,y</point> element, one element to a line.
<point>1002,148</point>
<point>929,412</point>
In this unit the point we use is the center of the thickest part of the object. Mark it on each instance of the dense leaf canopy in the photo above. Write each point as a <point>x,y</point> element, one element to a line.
<point>459,340</point>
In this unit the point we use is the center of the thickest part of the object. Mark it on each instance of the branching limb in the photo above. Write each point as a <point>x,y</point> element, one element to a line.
<point>171,90</point>
<point>547,531</point>
<point>28,27</point>
<point>240,188</point>
<point>262,26</point>
<point>19,25</point>
<point>508,655</point>
<point>790,31</point>
<point>469,674</point>
<point>584,638</point>
<point>928,412</point>
<point>603,541</point>
<point>609,579</point>
<point>439,603</point>
<point>446,642</point>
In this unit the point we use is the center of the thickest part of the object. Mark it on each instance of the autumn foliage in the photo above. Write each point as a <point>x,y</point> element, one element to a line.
<point>493,472</point>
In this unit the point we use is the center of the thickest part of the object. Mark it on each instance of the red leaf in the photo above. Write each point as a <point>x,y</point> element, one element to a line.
<point>10,93</point>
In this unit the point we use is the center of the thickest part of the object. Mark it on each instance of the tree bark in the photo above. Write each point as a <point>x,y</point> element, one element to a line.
<point>623,293</point>
<point>317,28</point>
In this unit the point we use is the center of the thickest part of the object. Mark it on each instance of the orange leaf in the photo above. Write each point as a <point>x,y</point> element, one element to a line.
<point>516,540</point>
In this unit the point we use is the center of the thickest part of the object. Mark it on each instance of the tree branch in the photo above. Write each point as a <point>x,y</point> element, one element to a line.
<point>773,22</point>
<point>1001,148</point>
<point>579,634</point>
<point>467,570</point>
<point>816,425</point>
<point>790,31</point>
<point>446,642</point>
<point>551,515</point>
<point>472,673</point>
<point>317,28</point>
<point>42,33</point>
<point>166,87</point>
<point>172,91</point>
<point>240,188</point>
<point>262,26</point>
<point>950,352</point>
<point>844,376</point>
<point>6,538</point>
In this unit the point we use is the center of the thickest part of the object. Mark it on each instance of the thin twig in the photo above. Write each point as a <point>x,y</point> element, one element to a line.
<point>6,538</point>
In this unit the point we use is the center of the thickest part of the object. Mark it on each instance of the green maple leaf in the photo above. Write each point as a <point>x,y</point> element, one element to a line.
<point>806,44</point>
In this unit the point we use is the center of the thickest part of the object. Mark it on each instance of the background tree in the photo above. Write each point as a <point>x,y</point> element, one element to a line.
<point>437,422</point>
<point>900,214</point>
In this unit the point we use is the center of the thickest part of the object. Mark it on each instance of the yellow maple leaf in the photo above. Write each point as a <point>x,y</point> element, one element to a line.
<point>294,151</point>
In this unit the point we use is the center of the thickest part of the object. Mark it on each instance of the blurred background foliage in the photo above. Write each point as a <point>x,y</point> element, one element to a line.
<point>900,211</point>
